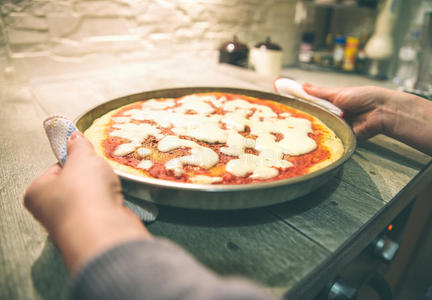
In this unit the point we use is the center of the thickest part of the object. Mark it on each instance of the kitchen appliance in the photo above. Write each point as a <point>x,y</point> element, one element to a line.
<point>214,197</point>
<point>364,277</point>
<point>377,272</point>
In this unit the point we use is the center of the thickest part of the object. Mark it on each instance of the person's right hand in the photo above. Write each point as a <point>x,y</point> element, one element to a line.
<point>81,205</point>
<point>373,110</point>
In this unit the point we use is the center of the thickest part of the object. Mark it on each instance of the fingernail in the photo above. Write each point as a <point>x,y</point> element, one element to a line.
<point>76,135</point>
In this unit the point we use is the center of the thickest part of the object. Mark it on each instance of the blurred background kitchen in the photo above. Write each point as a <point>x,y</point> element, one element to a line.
<point>379,39</point>
<point>54,51</point>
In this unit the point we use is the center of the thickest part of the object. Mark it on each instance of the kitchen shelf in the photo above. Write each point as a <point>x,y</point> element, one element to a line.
<point>342,5</point>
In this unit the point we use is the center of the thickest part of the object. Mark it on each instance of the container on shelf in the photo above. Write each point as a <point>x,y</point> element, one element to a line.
<point>306,45</point>
<point>266,58</point>
<point>408,64</point>
<point>234,52</point>
<point>351,50</point>
<point>338,51</point>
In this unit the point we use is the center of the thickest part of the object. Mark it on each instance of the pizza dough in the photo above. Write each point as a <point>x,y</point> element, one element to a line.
<point>214,138</point>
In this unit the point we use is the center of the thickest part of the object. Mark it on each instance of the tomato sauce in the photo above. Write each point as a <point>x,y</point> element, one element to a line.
<point>301,163</point>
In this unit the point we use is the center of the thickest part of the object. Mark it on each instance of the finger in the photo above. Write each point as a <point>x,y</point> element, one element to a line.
<point>362,131</point>
<point>81,159</point>
<point>53,170</point>
<point>85,168</point>
<point>321,92</point>
<point>79,145</point>
<point>39,186</point>
<point>367,125</point>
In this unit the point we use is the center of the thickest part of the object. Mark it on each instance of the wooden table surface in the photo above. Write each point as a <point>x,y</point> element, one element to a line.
<point>291,248</point>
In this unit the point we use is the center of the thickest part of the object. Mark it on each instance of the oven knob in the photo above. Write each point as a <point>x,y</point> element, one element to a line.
<point>385,248</point>
<point>340,290</point>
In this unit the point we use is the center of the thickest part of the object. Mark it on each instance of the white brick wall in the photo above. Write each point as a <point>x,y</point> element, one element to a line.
<point>68,29</point>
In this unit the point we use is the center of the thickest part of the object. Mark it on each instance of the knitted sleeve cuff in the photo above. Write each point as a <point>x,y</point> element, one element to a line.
<point>154,269</point>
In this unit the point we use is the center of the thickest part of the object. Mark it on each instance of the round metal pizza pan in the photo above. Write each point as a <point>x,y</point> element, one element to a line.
<point>227,197</point>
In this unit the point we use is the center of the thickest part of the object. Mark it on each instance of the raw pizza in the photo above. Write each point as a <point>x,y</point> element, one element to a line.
<point>213,138</point>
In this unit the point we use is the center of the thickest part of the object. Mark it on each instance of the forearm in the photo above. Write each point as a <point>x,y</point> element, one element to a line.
<point>409,119</point>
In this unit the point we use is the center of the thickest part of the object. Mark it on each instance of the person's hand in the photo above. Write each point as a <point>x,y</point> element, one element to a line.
<point>363,106</point>
<point>373,110</point>
<point>81,205</point>
<point>84,184</point>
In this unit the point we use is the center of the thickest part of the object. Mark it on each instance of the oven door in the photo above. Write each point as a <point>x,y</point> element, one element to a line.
<point>366,277</point>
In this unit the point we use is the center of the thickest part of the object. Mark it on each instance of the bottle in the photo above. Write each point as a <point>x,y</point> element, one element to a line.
<point>305,53</point>
<point>423,83</point>
<point>350,55</point>
<point>408,63</point>
<point>362,61</point>
<point>338,52</point>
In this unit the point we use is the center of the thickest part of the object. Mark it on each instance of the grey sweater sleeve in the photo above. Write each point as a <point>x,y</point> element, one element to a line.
<point>155,269</point>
